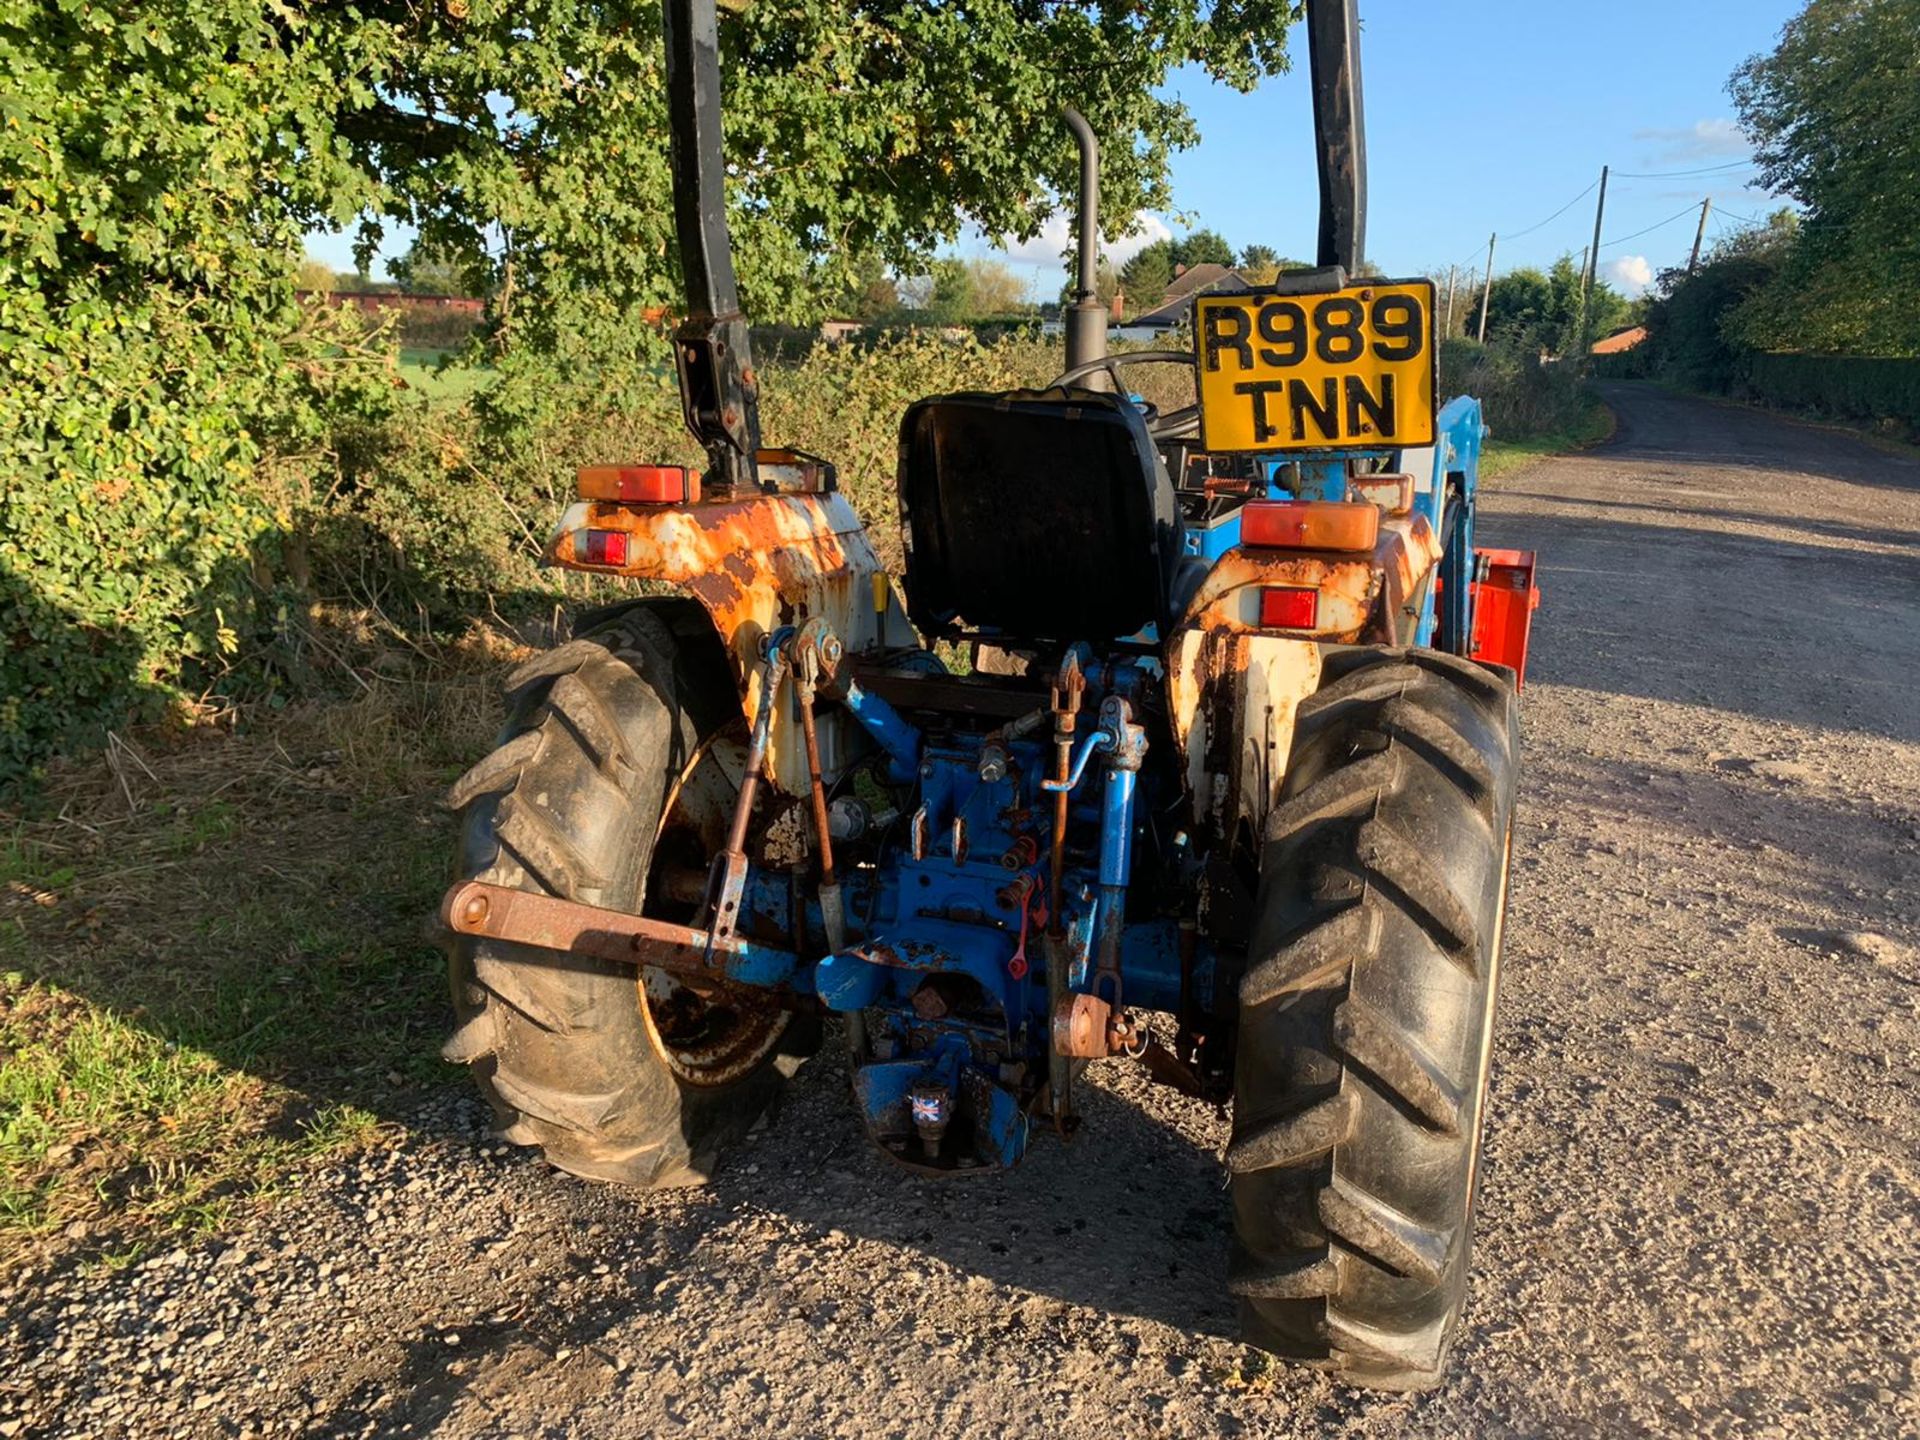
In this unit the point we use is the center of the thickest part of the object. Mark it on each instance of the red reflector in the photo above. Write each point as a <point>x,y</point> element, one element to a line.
<point>604,547</point>
<point>1309,525</point>
<point>640,484</point>
<point>1289,608</point>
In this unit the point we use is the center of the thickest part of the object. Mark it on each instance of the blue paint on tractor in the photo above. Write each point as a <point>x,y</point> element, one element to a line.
<point>946,932</point>
<point>1453,496</point>
<point>892,733</point>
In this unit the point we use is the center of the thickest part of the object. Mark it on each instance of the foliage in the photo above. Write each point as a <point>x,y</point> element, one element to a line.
<point>1519,303</point>
<point>1106,284</point>
<point>1257,257</point>
<point>531,138</point>
<point>1202,247</point>
<point>993,289</point>
<point>871,292</point>
<point>1834,112</point>
<point>949,291</point>
<point>1875,388</point>
<point>1693,337</point>
<point>317,276</point>
<point>1543,309</point>
<point>1522,397</point>
<point>1146,276</point>
<point>423,271</point>
<point>1265,272</point>
<point>175,421</point>
<point>159,172</point>
<point>954,291</point>
<point>428,519</point>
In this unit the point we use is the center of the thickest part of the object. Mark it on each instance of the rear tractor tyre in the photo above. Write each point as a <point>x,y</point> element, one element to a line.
<point>621,747</point>
<point>1366,1016</point>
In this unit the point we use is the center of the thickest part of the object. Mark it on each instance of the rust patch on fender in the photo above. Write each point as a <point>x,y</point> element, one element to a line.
<point>753,564</point>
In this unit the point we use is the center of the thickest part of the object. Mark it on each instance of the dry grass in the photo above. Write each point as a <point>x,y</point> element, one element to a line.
<point>213,954</point>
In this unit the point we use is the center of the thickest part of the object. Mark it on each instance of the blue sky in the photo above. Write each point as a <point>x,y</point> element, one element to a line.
<point>1482,115</point>
<point>1486,115</point>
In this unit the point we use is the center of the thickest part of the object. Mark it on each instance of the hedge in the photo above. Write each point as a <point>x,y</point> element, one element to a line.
<point>1856,387</point>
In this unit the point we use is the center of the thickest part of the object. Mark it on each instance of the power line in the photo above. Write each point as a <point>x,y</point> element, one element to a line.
<point>1671,174</point>
<point>1622,239</point>
<point>1518,234</point>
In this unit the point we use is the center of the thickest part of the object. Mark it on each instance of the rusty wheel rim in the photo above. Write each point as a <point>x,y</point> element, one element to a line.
<point>714,1035</point>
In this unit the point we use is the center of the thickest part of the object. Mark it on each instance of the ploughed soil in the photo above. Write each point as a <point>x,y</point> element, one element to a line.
<point>1701,1210</point>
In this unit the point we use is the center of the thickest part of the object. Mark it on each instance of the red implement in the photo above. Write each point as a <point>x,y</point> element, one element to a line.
<point>1504,599</point>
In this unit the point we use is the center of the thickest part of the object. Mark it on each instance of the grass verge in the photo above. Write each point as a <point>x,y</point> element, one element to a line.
<point>1592,425</point>
<point>213,957</point>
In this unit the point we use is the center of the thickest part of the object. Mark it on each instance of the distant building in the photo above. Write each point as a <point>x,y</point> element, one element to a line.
<point>1176,306</point>
<point>1620,340</point>
<point>372,302</point>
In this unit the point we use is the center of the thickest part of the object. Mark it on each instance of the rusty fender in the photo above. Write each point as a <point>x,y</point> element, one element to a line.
<point>1232,688</point>
<point>1352,587</point>
<point>756,564</point>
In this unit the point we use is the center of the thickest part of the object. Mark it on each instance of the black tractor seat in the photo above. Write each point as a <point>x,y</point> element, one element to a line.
<point>1043,515</point>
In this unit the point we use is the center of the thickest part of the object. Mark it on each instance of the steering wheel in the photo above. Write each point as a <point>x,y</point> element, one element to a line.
<point>1175,424</point>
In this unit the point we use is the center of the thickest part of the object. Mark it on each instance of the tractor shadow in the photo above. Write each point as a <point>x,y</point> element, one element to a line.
<point>1130,1217</point>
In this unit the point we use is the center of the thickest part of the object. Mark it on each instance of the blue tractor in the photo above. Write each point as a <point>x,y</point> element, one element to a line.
<point>1226,789</point>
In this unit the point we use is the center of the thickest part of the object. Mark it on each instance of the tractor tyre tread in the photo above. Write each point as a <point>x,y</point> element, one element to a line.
<point>599,730</point>
<point>1366,1016</point>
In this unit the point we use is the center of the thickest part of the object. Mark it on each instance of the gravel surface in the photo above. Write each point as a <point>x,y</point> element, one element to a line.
<point>1702,1202</point>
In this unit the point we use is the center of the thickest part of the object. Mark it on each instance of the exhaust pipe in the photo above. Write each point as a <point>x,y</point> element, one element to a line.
<point>1086,318</point>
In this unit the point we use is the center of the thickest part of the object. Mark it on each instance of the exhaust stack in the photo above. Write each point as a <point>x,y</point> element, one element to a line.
<point>1086,318</point>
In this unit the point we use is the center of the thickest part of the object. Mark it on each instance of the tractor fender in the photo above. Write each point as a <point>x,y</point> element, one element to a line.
<point>1233,683</point>
<point>1231,694</point>
<point>754,565</point>
<point>1361,594</point>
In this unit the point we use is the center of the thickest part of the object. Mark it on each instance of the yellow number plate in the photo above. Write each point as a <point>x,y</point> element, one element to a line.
<point>1350,370</point>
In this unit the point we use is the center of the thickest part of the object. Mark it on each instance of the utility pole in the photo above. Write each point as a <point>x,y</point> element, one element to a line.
<point>1593,255</point>
<point>1592,269</point>
<point>1486,293</point>
<point>1699,234</point>
<point>1446,326</point>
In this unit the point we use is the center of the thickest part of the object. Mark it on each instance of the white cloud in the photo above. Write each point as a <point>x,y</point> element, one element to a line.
<point>1042,259</point>
<point>1631,275</point>
<point>1703,142</point>
<point>1056,235</point>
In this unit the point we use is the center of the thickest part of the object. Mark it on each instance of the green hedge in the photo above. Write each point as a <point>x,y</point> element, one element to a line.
<point>1854,386</point>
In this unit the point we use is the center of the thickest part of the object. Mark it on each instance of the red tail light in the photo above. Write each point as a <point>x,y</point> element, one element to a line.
<point>1289,607</point>
<point>603,547</point>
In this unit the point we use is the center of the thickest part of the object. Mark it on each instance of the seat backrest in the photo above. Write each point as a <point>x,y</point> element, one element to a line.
<point>1042,514</point>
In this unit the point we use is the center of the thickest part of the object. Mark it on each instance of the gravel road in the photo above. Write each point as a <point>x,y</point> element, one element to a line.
<point>1702,1199</point>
